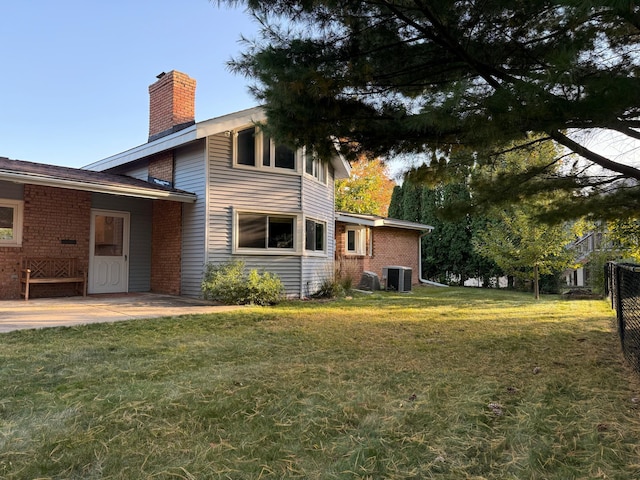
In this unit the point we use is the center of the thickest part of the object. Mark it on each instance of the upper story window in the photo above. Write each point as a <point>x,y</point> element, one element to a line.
<point>314,166</point>
<point>356,240</point>
<point>314,236</point>
<point>255,149</point>
<point>11,223</point>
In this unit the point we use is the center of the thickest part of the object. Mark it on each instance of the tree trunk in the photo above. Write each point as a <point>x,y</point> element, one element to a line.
<point>536,282</point>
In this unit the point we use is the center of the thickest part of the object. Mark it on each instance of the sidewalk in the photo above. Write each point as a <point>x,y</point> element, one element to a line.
<point>68,311</point>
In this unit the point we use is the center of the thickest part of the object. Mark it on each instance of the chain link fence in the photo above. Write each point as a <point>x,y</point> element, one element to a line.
<point>622,286</point>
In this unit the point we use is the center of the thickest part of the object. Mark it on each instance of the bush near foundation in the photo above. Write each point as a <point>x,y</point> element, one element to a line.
<point>229,283</point>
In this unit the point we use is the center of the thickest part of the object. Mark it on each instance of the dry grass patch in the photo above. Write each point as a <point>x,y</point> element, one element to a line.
<point>449,384</point>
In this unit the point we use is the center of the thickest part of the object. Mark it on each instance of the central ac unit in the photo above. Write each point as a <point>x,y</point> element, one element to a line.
<point>397,278</point>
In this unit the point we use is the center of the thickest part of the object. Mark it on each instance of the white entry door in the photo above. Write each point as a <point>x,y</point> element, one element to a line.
<point>109,252</point>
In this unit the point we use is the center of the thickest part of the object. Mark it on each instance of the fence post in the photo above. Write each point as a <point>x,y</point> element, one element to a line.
<point>618,293</point>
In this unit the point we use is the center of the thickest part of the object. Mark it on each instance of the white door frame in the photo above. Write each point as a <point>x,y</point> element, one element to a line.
<point>122,285</point>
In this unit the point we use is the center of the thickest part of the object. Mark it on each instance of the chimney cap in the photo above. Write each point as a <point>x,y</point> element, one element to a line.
<point>160,75</point>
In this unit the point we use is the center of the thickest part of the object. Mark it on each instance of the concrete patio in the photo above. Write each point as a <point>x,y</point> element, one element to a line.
<point>69,311</point>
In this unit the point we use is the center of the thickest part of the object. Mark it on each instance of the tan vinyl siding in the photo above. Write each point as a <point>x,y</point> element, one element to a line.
<point>249,190</point>
<point>190,175</point>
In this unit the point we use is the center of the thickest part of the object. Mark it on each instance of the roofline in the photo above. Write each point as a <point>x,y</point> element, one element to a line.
<point>372,221</point>
<point>181,137</point>
<point>200,130</point>
<point>130,191</point>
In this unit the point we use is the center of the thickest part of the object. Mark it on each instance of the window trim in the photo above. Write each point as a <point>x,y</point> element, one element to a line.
<point>362,241</point>
<point>317,166</point>
<point>259,154</point>
<point>297,234</point>
<point>316,253</point>
<point>18,220</point>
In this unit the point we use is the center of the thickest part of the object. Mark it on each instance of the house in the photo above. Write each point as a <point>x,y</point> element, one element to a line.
<point>150,218</point>
<point>256,201</point>
<point>371,243</point>
<point>57,212</point>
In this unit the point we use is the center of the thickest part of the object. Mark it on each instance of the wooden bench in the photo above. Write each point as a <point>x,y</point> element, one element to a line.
<point>49,271</point>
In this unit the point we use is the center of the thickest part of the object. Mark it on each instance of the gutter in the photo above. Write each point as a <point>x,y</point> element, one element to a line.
<point>422,280</point>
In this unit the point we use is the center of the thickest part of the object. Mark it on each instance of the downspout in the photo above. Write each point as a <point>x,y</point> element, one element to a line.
<point>422,280</point>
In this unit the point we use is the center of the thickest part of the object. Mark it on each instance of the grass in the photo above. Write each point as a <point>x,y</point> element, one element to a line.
<point>442,383</point>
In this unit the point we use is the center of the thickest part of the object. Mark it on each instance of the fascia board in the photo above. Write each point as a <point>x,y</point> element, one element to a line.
<point>96,187</point>
<point>182,137</point>
<point>165,143</point>
<point>382,222</point>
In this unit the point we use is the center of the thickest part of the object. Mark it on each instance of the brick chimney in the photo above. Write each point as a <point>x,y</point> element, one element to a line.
<point>171,104</point>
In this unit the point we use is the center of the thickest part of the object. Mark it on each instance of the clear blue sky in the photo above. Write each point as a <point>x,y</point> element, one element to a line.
<point>74,73</point>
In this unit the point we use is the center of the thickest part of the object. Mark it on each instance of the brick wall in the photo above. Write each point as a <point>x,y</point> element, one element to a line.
<point>166,247</point>
<point>51,215</point>
<point>171,103</point>
<point>391,247</point>
<point>161,166</point>
<point>9,271</point>
<point>349,266</point>
<point>395,246</point>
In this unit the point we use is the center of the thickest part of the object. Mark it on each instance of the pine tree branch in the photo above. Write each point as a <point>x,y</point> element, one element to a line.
<point>596,158</point>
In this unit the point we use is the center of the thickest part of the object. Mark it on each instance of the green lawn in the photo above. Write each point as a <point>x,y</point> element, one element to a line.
<point>441,383</point>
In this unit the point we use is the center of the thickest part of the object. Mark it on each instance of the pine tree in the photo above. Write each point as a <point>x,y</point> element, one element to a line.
<point>424,78</point>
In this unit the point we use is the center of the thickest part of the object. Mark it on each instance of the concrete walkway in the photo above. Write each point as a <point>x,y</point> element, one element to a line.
<point>68,311</point>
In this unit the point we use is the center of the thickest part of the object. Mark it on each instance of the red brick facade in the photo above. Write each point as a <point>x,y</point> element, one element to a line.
<point>166,247</point>
<point>161,166</point>
<point>390,247</point>
<point>171,102</point>
<point>56,223</point>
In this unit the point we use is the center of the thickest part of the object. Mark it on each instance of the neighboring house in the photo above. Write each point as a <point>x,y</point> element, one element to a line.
<point>370,243</point>
<point>256,201</point>
<point>585,246</point>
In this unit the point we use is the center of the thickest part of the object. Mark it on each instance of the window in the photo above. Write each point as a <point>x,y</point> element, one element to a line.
<point>314,239</point>
<point>314,167</point>
<point>262,231</point>
<point>255,149</point>
<point>10,222</point>
<point>246,147</point>
<point>356,240</point>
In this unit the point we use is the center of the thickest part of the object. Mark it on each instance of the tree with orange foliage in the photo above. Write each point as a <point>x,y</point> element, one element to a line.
<point>368,190</point>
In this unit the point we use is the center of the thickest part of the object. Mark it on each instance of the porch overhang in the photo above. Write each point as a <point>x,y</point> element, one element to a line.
<point>16,171</point>
<point>375,221</point>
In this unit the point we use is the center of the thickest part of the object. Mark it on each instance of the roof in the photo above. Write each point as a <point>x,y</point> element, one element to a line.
<point>19,171</point>
<point>377,221</point>
<point>200,130</point>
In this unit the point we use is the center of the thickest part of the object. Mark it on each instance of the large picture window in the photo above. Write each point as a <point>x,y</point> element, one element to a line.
<point>10,222</point>
<point>314,239</point>
<point>263,231</point>
<point>255,149</point>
